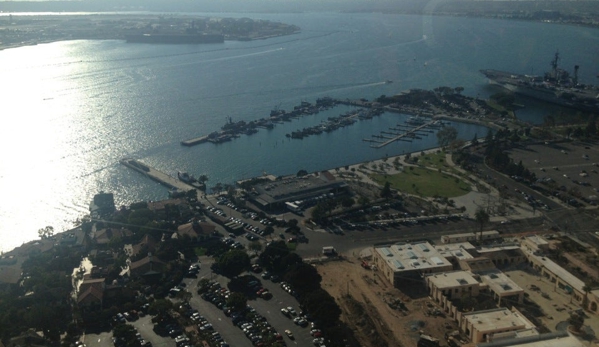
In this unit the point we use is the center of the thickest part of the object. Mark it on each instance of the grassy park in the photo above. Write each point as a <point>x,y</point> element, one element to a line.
<point>424,182</point>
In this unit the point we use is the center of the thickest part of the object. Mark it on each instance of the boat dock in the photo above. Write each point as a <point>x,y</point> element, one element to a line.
<point>411,133</point>
<point>156,175</point>
<point>196,141</point>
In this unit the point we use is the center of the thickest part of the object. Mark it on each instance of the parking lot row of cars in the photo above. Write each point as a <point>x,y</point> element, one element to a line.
<point>255,326</point>
<point>205,328</point>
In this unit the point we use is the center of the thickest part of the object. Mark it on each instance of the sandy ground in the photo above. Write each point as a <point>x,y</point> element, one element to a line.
<point>378,324</point>
<point>395,326</point>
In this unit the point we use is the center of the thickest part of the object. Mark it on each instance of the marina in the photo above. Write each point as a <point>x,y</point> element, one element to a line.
<point>409,134</point>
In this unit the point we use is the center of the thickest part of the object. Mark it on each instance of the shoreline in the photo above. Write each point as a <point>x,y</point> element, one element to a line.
<point>34,29</point>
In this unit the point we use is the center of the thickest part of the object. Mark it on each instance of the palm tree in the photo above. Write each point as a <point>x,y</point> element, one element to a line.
<point>203,179</point>
<point>482,218</point>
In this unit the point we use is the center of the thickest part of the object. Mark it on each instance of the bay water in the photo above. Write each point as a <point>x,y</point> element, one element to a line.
<point>71,110</point>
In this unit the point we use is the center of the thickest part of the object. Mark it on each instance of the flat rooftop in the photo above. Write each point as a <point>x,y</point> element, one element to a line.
<point>452,279</point>
<point>498,247</point>
<point>556,339</point>
<point>499,283</point>
<point>560,272</point>
<point>296,188</point>
<point>537,240</point>
<point>408,256</point>
<point>456,250</point>
<point>498,319</point>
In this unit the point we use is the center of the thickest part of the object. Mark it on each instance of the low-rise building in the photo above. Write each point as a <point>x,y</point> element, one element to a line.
<point>502,255</point>
<point>535,243</point>
<point>150,268</point>
<point>502,287</point>
<point>277,193</point>
<point>554,339</point>
<point>471,237</point>
<point>451,285</point>
<point>562,279</point>
<point>481,326</point>
<point>401,262</point>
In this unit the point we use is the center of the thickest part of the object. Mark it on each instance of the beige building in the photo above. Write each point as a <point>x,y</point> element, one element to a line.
<point>471,237</point>
<point>451,285</point>
<point>502,287</point>
<point>535,243</point>
<point>562,279</point>
<point>405,262</point>
<point>592,301</point>
<point>554,339</point>
<point>477,265</point>
<point>482,326</point>
<point>502,255</point>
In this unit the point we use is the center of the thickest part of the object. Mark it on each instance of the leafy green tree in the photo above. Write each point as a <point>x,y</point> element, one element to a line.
<point>446,135</point>
<point>289,261</point>
<point>347,202</point>
<point>233,262</point>
<point>318,213</point>
<point>126,333</point>
<point>203,179</point>
<point>302,173</point>
<point>292,223</point>
<point>303,277</point>
<point>272,255</point>
<point>386,191</point>
<point>237,301</point>
<point>46,232</point>
<point>255,246</point>
<point>269,230</point>
<point>322,306</point>
<point>576,321</point>
<point>363,201</point>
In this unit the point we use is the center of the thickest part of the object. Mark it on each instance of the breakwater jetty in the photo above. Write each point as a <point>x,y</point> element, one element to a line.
<point>158,176</point>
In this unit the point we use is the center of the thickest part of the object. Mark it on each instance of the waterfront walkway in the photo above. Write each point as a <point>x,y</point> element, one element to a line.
<point>156,175</point>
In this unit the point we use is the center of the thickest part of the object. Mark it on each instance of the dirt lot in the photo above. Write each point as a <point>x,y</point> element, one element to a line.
<point>368,309</point>
<point>373,308</point>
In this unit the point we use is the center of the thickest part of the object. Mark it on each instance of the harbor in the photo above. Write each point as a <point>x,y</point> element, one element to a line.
<point>156,175</point>
<point>429,115</point>
<point>403,133</point>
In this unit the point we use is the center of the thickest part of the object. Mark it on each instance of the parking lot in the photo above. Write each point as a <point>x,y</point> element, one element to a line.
<point>269,309</point>
<point>573,168</point>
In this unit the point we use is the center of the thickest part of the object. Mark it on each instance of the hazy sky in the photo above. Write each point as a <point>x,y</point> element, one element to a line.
<point>211,5</point>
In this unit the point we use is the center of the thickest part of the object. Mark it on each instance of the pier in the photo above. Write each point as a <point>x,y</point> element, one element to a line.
<point>400,137</point>
<point>195,141</point>
<point>156,175</point>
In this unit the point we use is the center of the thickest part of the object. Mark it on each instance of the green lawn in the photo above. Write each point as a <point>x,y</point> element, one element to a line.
<point>199,251</point>
<point>436,160</point>
<point>423,182</point>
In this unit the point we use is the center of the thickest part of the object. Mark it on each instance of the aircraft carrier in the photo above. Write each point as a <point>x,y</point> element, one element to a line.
<point>556,87</point>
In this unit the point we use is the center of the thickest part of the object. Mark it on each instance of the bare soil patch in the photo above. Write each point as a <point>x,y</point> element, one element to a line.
<point>380,314</point>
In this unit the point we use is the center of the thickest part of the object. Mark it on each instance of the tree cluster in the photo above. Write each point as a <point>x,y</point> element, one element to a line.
<point>498,159</point>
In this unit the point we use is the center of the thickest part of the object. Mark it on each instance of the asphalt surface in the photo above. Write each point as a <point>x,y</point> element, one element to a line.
<point>270,309</point>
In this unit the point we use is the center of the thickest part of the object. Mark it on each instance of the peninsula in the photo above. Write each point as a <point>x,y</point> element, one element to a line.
<point>16,31</point>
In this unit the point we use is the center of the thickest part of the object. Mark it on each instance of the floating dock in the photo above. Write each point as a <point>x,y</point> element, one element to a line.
<point>158,176</point>
<point>400,137</point>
